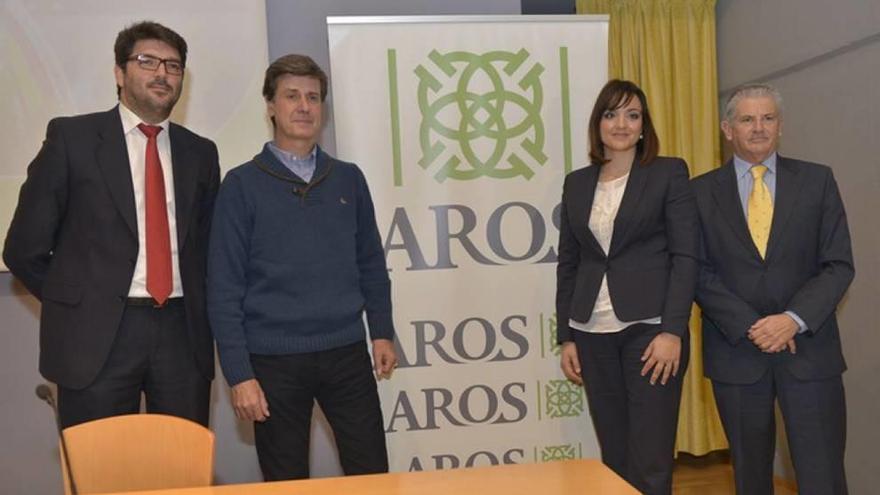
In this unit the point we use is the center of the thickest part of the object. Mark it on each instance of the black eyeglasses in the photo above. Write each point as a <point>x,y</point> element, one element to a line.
<point>149,62</point>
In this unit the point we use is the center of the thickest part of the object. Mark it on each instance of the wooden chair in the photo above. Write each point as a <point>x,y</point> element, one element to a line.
<point>138,452</point>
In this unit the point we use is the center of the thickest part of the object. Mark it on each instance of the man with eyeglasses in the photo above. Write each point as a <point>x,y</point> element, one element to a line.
<point>111,234</point>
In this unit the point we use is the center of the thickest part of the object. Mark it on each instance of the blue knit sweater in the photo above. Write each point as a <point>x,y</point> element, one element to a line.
<point>292,266</point>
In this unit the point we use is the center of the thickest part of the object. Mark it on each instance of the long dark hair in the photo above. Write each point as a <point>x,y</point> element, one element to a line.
<point>614,95</point>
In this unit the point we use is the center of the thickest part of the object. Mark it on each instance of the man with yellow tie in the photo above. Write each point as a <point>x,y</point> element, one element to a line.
<point>775,262</point>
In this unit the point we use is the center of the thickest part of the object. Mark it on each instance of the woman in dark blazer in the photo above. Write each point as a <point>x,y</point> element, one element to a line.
<point>625,283</point>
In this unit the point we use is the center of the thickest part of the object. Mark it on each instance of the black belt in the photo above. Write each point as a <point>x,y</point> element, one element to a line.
<point>149,301</point>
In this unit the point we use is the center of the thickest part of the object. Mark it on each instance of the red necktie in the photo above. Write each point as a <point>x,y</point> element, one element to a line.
<point>158,239</point>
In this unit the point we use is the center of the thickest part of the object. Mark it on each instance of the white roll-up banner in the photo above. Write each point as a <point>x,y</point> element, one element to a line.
<point>465,128</point>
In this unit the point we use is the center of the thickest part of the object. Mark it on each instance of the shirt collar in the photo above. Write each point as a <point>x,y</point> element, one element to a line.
<point>742,167</point>
<point>130,120</point>
<point>290,156</point>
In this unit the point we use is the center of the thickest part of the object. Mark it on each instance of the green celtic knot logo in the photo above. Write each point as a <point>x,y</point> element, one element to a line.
<point>488,124</point>
<point>549,345</point>
<point>563,399</point>
<point>558,453</point>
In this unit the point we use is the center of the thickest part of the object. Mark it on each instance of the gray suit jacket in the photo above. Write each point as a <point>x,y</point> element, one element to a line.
<point>651,265</point>
<point>808,268</point>
<point>73,240</point>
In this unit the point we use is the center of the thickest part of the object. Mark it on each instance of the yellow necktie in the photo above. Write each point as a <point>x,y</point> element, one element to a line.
<point>760,210</point>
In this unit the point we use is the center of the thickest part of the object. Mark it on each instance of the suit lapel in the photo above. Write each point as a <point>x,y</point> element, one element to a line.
<point>788,185</point>
<point>580,207</point>
<point>638,176</point>
<point>728,201</point>
<point>185,181</point>
<point>112,159</point>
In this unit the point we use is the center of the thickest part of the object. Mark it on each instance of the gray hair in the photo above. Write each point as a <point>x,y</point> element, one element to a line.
<point>754,90</point>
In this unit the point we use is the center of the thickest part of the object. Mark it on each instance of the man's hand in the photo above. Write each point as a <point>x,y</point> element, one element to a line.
<point>571,365</point>
<point>384,358</point>
<point>249,402</point>
<point>773,333</point>
<point>663,354</point>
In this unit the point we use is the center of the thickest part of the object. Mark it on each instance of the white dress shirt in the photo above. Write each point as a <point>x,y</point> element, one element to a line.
<point>136,143</point>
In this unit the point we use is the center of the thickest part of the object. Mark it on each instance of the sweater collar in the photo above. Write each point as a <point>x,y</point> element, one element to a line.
<point>267,157</point>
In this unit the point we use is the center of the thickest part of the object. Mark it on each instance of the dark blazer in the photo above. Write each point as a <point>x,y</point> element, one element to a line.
<point>652,262</point>
<point>808,268</point>
<point>73,240</point>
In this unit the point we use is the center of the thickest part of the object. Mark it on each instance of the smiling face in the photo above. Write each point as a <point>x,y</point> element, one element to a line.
<point>296,109</point>
<point>754,129</point>
<point>149,94</point>
<point>620,128</point>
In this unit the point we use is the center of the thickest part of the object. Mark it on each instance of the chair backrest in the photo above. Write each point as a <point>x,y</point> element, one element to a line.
<point>138,452</point>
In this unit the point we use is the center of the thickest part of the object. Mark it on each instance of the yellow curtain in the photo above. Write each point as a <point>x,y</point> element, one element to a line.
<point>667,47</point>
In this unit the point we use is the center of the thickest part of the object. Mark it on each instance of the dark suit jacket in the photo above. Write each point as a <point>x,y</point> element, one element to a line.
<point>652,262</point>
<point>73,240</point>
<point>807,270</point>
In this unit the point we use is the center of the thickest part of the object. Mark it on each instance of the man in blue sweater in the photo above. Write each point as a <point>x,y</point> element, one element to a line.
<point>295,260</point>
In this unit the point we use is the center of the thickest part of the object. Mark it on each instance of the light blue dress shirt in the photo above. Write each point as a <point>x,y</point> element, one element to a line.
<point>744,183</point>
<point>304,168</point>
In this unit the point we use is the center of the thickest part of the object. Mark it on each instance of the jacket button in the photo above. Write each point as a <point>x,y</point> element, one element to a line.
<point>121,298</point>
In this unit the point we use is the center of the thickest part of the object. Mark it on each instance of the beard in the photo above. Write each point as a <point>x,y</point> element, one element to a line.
<point>144,101</point>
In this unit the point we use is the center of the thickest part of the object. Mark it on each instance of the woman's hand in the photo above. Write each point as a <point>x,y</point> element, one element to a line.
<point>663,355</point>
<point>571,365</point>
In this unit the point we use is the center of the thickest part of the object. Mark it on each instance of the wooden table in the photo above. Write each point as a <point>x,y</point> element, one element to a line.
<point>583,476</point>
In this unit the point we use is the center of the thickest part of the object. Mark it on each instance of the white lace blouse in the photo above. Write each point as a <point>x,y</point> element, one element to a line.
<point>606,202</point>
